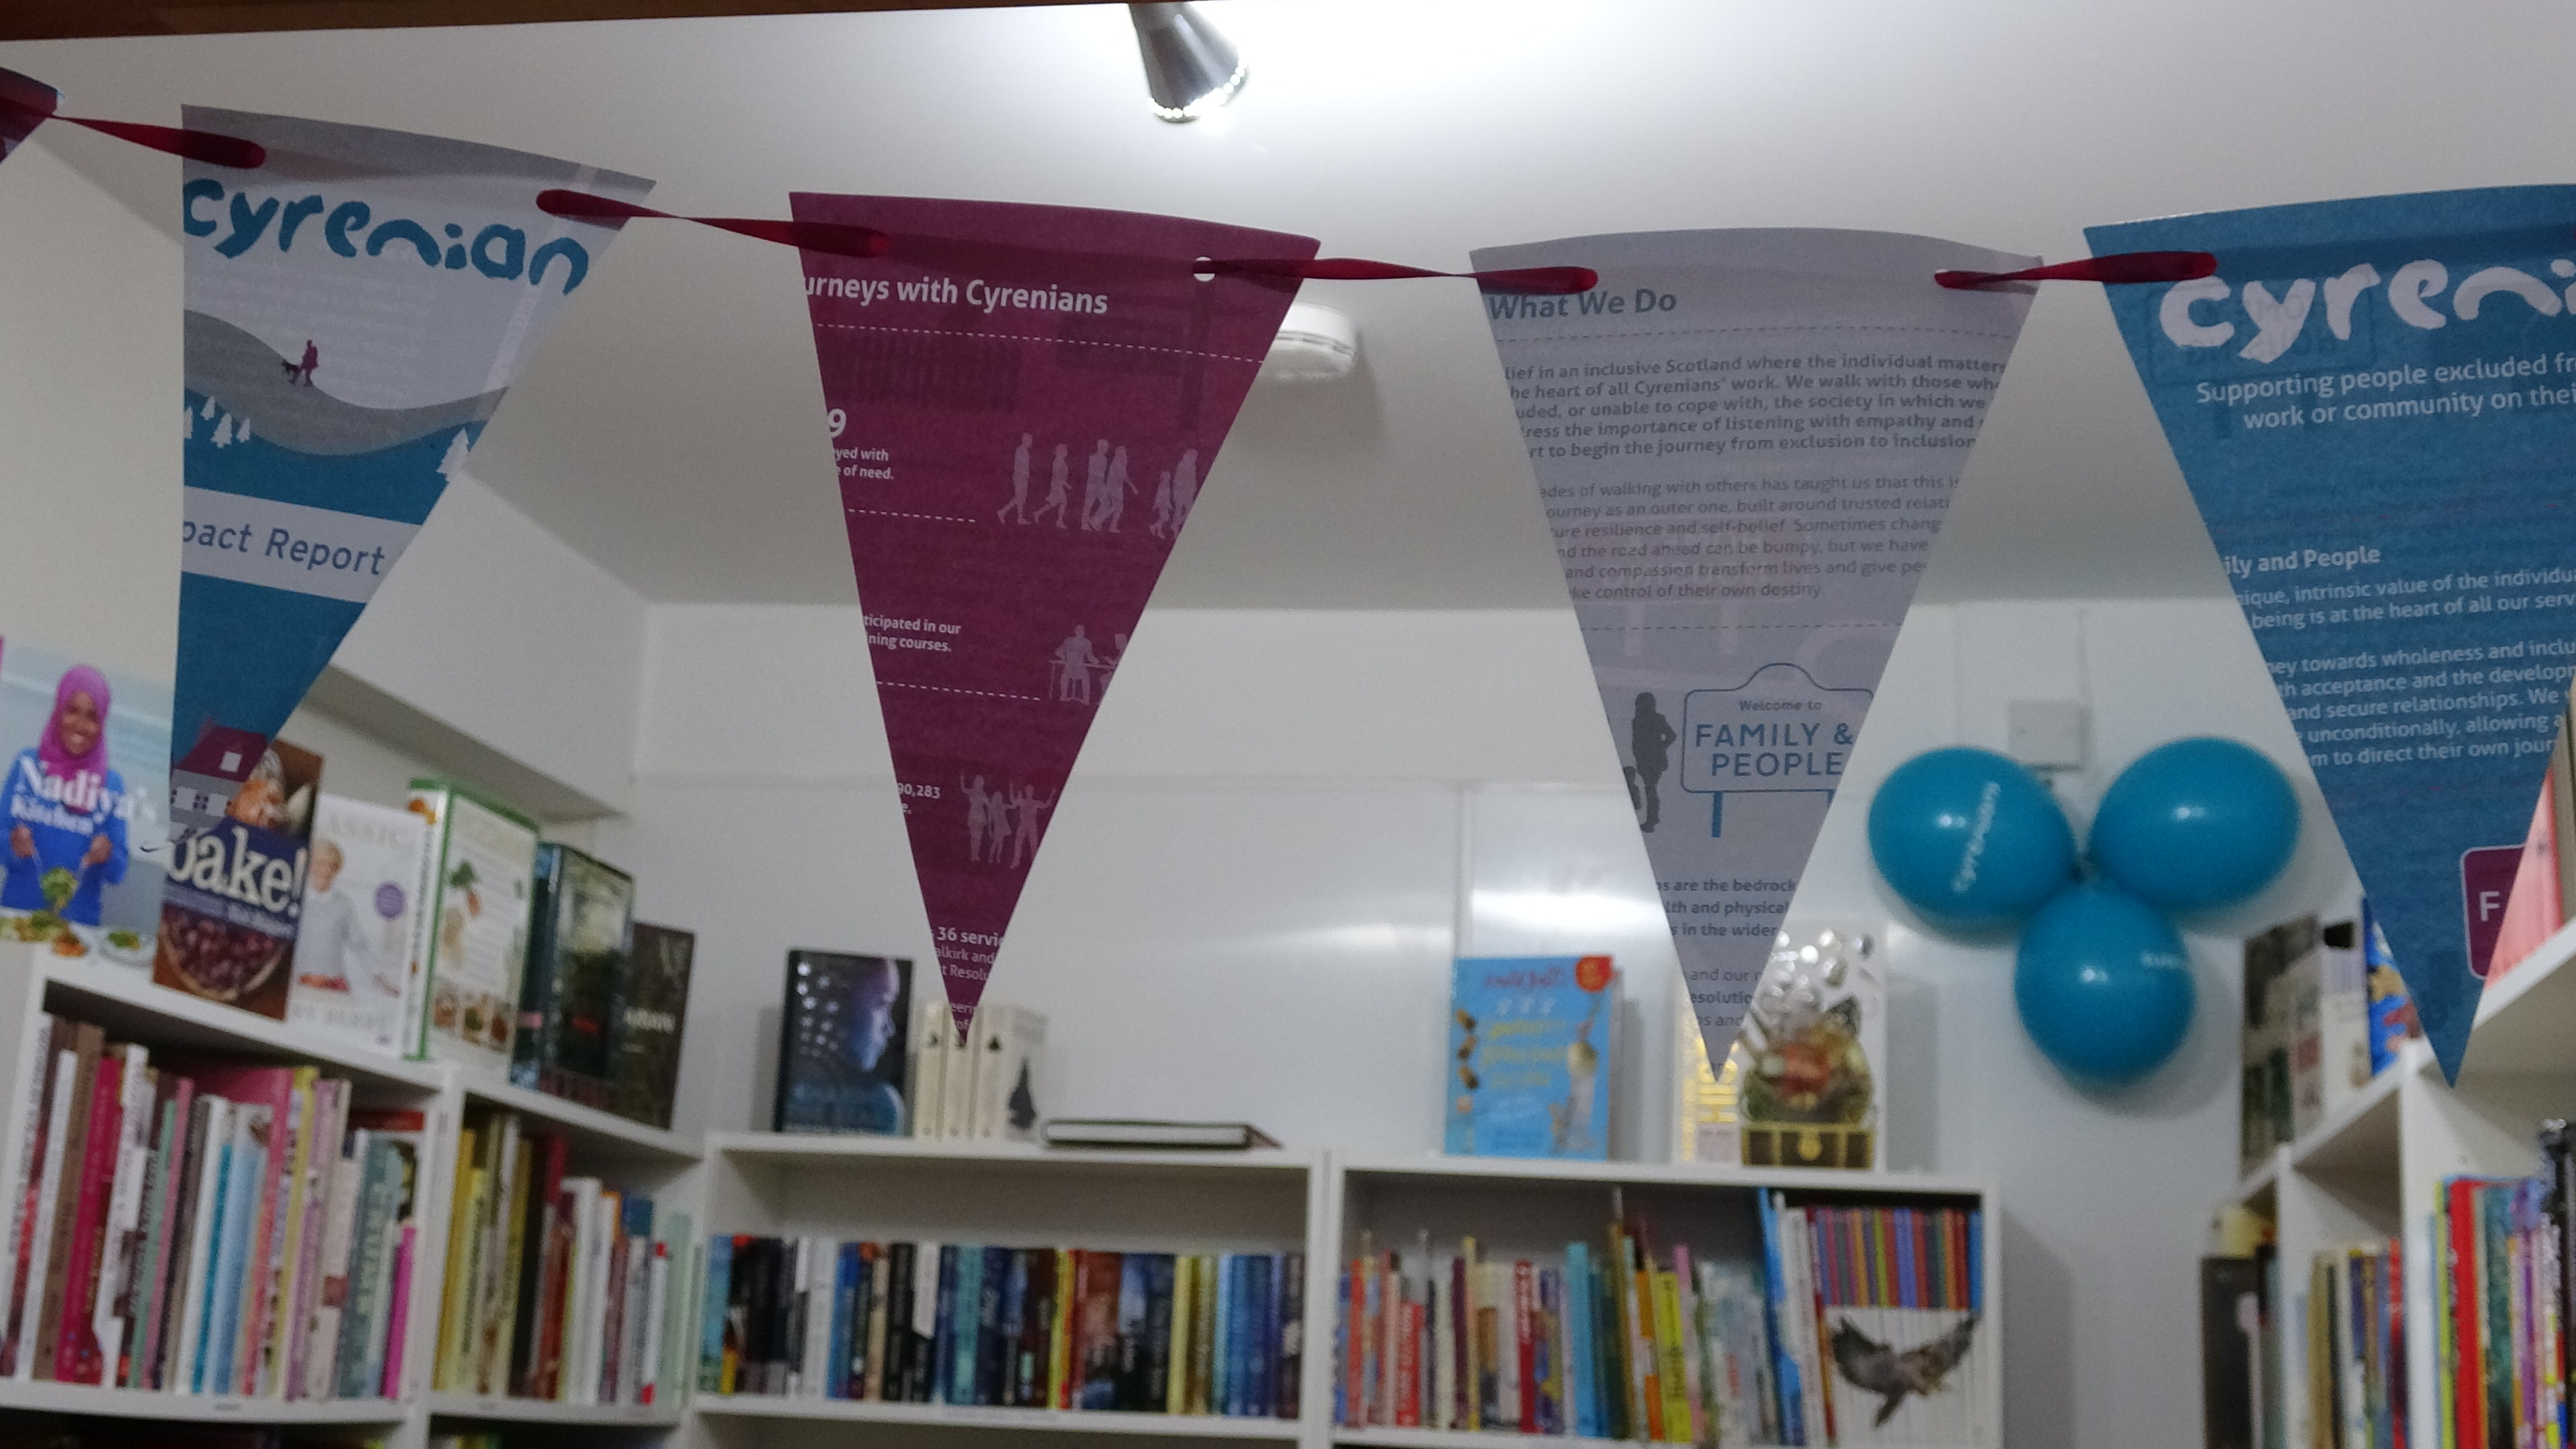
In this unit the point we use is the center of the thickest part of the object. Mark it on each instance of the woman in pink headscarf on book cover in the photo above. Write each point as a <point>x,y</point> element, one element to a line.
<point>65,806</point>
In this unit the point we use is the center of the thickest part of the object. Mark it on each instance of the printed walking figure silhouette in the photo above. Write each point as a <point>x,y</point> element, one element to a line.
<point>1650,743</point>
<point>1116,490</point>
<point>1059,490</point>
<point>1019,504</point>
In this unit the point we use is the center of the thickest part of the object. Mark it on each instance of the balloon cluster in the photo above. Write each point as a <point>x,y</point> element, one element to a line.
<point>1974,842</point>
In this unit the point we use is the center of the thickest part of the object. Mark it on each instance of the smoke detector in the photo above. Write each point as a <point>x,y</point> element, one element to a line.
<point>1315,344</point>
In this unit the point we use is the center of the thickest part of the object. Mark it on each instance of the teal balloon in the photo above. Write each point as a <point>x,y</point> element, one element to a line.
<point>2196,824</point>
<point>2103,984</point>
<point>1969,838</point>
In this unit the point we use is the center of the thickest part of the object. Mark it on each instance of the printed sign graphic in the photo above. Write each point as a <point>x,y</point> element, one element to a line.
<point>1021,422</point>
<point>1745,442</point>
<point>2374,403</point>
<point>355,309</point>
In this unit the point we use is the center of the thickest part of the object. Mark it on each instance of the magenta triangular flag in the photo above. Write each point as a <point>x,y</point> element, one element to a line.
<point>1024,402</point>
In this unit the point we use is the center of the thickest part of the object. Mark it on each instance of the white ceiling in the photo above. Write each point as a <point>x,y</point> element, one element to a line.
<point>670,429</point>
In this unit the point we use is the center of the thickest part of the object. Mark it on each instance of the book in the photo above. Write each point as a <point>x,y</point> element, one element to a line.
<point>1705,1100</point>
<point>471,937</point>
<point>652,1012</point>
<point>235,894</point>
<point>116,783</point>
<point>841,1048</point>
<point>1129,1132</point>
<point>1529,1057</point>
<point>362,901</point>
<point>2282,1079</point>
<point>580,913</point>
<point>1011,1038</point>
<point>933,1043</point>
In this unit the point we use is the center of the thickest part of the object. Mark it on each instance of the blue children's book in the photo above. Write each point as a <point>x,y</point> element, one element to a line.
<point>1528,1071</point>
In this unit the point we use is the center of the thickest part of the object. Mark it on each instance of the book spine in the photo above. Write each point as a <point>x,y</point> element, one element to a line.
<point>66,1195</point>
<point>1292,1335</point>
<point>1408,1369</point>
<point>332,1262</point>
<point>712,1354</point>
<point>398,1310</point>
<point>152,1253</point>
<point>210,1173</point>
<point>112,1301</point>
<point>1525,1344</point>
<point>880,1269</point>
<point>657,1313</point>
<point>77,1358</point>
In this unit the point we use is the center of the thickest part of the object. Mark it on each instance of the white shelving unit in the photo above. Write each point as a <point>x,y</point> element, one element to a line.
<point>897,1189</point>
<point>124,1002</point>
<point>2374,1168</point>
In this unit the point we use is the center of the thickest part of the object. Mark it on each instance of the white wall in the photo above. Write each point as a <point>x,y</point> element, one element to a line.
<point>1249,898</point>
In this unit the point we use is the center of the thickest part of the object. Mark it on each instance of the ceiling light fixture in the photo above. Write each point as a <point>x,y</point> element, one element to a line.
<point>1191,69</point>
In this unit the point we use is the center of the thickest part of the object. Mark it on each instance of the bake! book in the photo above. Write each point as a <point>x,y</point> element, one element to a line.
<point>579,916</point>
<point>841,1044</point>
<point>235,894</point>
<point>1528,1071</point>
<point>473,931</point>
<point>361,901</point>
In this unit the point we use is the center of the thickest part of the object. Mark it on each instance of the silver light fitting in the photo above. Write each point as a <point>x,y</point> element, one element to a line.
<point>1191,69</point>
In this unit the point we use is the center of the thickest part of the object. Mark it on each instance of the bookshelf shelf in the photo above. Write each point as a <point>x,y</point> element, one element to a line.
<point>602,1132</point>
<point>124,1001</point>
<point>1665,1174</point>
<point>2361,1135</point>
<point>1177,1426</point>
<point>502,1409</point>
<point>1462,1439</point>
<point>29,1396</point>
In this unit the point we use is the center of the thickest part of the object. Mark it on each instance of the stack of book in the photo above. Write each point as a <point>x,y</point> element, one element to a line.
<point>2499,1297</point>
<point>558,1287</point>
<point>961,1323</point>
<point>2324,1013</point>
<point>206,1227</point>
<point>2356,1336</point>
<point>1632,1342</point>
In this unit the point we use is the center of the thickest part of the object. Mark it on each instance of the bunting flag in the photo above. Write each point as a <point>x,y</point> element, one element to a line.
<point>1021,423</point>
<point>25,104</point>
<point>2374,403</point>
<point>1745,442</point>
<point>355,308</point>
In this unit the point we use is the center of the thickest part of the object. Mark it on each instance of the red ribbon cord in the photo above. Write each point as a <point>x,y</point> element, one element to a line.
<point>813,236</point>
<point>2118,269</point>
<point>1548,281</point>
<point>29,107</point>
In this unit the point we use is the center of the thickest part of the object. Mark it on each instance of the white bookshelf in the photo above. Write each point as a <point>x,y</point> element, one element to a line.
<point>1534,1208</point>
<point>1264,1201</point>
<point>1269,1201</point>
<point>2372,1169</point>
<point>125,1003</point>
